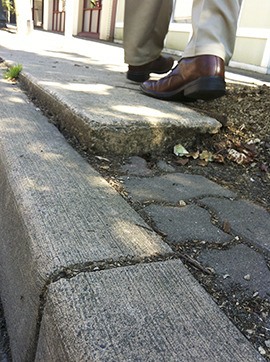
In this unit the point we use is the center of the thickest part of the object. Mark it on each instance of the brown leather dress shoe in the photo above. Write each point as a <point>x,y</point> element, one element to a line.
<point>142,72</point>
<point>200,77</point>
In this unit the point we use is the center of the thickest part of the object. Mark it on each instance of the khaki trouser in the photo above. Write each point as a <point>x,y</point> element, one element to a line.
<point>146,23</point>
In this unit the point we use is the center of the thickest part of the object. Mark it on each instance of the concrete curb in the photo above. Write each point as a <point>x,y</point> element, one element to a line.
<point>146,312</point>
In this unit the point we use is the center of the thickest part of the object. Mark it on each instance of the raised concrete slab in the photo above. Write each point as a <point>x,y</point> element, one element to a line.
<point>57,216</point>
<point>151,312</point>
<point>80,78</point>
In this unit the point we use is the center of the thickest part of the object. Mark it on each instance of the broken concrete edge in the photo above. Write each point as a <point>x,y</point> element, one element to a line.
<point>107,139</point>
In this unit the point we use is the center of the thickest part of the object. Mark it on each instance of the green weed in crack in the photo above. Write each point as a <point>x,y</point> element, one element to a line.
<point>13,72</point>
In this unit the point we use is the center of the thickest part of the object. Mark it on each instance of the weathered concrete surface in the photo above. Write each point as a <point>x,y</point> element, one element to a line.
<point>172,188</point>
<point>79,79</point>
<point>56,213</point>
<point>151,312</point>
<point>188,223</point>
<point>239,265</point>
<point>247,220</point>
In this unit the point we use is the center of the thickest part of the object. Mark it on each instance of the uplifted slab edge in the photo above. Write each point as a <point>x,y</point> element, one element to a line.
<point>115,137</point>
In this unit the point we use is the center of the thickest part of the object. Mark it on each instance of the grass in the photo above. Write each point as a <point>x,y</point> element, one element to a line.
<point>13,72</point>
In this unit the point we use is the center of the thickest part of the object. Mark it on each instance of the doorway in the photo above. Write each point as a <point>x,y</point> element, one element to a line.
<point>91,18</point>
<point>37,13</point>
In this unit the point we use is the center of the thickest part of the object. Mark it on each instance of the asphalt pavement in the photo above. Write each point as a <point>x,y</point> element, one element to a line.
<point>83,276</point>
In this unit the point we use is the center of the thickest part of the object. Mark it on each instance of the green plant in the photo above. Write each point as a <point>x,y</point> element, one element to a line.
<point>13,72</point>
<point>8,5</point>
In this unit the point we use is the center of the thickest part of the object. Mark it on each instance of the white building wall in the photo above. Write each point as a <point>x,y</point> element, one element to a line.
<point>24,16</point>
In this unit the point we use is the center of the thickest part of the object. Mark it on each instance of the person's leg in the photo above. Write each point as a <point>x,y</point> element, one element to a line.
<point>200,73</point>
<point>214,28</point>
<point>146,24</point>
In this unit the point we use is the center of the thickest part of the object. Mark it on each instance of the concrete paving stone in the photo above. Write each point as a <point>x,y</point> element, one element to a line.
<point>56,212</point>
<point>148,312</point>
<point>136,166</point>
<point>172,188</point>
<point>241,265</point>
<point>78,80</point>
<point>246,219</point>
<point>164,166</point>
<point>187,223</point>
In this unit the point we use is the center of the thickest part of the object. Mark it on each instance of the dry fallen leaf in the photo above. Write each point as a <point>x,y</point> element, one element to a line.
<point>238,157</point>
<point>206,156</point>
<point>194,155</point>
<point>182,161</point>
<point>202,163</point>
<point>226,226</point>
<point>180,150</point>
<point>218,158</point>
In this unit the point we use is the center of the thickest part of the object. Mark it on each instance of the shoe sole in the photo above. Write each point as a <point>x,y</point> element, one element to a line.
<point>206,88</point>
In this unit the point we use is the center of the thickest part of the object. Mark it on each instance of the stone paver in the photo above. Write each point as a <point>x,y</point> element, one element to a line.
<point>247,220</point>
<point>173,187</point>
<point>240,265</point>
<point>182,224</point>
<point>137,166</point>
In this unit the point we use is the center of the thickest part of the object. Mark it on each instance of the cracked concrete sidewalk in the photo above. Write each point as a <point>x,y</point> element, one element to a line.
<point>83,277</point>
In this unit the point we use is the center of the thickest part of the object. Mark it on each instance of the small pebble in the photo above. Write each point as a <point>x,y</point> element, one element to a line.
<point>247,277</point>
<point>262,351</point>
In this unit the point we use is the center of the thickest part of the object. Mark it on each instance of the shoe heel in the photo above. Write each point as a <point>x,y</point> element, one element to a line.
<point>206,88</point>
<point>137,77</point>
